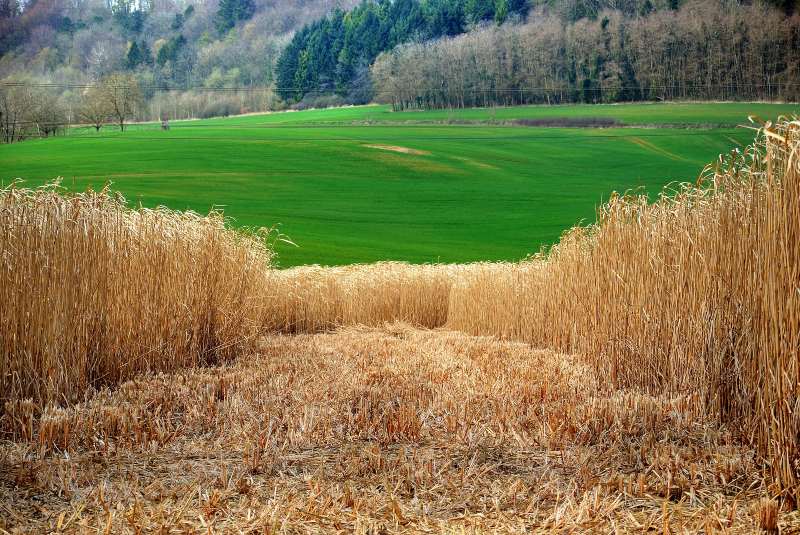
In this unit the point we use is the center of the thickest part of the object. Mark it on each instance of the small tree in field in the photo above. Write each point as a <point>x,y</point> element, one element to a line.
<point>121,94</point>
<point>16,106</point>
<point>94,108</point>
<point>48,114</point>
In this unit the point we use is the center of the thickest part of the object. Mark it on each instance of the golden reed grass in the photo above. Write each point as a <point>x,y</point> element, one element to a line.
<point>93,292</point>
<point>314,298</point>
<point>698,292</point>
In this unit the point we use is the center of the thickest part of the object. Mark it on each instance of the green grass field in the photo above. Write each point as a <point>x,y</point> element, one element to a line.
<point>677,114</point>
<point>466,192</point>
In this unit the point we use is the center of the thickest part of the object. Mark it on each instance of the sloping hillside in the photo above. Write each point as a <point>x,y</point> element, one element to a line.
<point>165,44</point>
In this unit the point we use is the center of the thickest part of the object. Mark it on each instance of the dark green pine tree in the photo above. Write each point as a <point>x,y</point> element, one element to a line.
<point>407,22</point>
<point>287,67</point>
<point>479,10</point>
<point>170,50</point>
<point>145,53</point>
<point>177,22</point>
<point>232,11</point>
<point>501,11</point>
<point>519,7</point>
<point>134,58</point>
<point>445,18</point>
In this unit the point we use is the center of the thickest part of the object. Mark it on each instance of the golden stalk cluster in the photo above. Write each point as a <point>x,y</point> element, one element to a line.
<point>697,292</point>
<point>313,298</point>
<point>93,293</point>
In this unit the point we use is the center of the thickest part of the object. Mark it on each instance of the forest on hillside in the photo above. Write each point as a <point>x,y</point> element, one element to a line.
<point>192,58</point>
<point>702,51</point>
<point>333,55</point>
<point>179,51</point>
<point>444,53</point>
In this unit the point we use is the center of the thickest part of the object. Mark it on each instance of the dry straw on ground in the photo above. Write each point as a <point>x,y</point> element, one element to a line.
<point>393,430</point>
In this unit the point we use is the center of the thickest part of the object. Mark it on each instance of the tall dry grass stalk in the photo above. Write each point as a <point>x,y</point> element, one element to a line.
<point>698,292</point>
<point>93,292</point>
<point>314,298</point>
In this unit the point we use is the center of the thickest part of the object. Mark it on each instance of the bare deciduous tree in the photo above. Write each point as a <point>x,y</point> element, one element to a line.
<point>16,105</point>
<point>122,95</point>
<point>47,115</point>
<point>94,108</point>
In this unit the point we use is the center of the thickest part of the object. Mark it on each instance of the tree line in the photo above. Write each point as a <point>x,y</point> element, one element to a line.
<point>30,111</point>
<point>412,53</point>
<point>703,50</point>
<point>574,10</point>
<point>333,54</point>
<point>26,112</point>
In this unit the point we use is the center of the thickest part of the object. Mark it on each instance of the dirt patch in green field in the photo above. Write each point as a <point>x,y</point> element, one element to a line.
<point>476,163</point>
<point>653,148</point>
<point>402,150</point>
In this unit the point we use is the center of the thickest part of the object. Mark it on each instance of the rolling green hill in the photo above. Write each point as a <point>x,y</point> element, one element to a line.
<point>365,184</point>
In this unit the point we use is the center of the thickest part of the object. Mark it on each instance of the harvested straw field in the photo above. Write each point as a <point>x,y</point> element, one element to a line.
<point>384,430</point>
<point>643,375</point>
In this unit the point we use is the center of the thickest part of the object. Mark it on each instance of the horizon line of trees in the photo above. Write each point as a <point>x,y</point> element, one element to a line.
<point>31,111</point>
<point>329,60</point>
<point>703,51</point>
